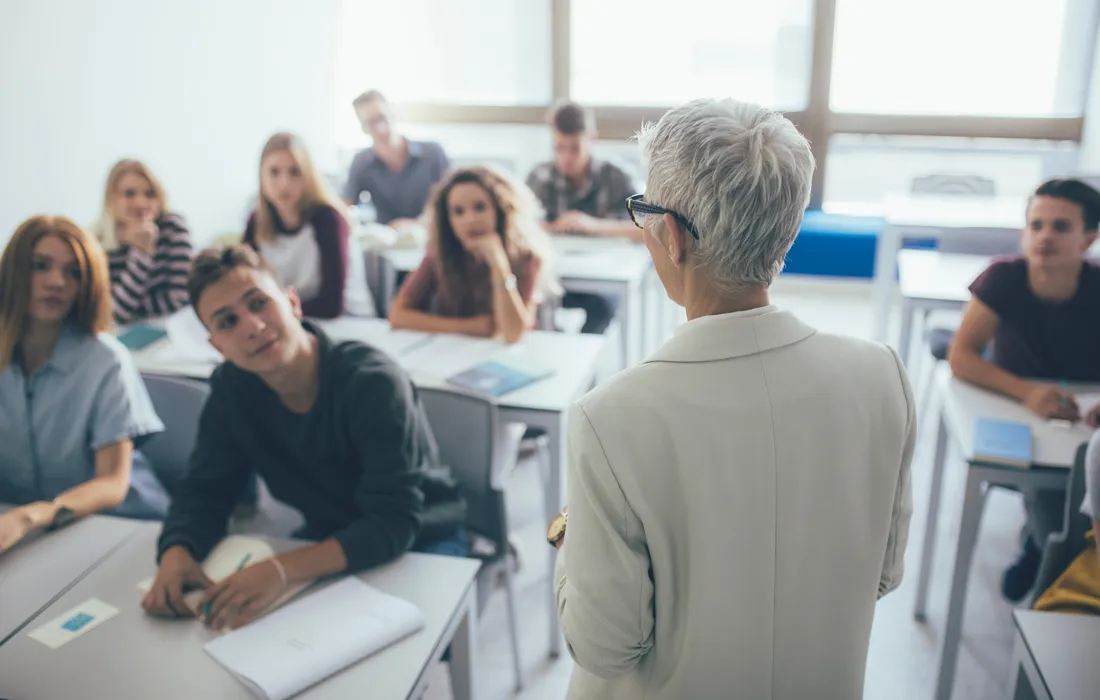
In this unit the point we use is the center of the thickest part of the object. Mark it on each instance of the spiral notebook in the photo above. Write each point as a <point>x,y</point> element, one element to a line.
<point>315,637</point>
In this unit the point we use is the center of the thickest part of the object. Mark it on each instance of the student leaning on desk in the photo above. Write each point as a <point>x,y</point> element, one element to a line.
<point>1040,312</point>
<point>336,430</point>
<point>486,269</point>
<point>581,194</point>
<point>72,405</point>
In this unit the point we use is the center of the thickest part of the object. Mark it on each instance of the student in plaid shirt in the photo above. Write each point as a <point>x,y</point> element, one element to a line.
<point>585,196</point>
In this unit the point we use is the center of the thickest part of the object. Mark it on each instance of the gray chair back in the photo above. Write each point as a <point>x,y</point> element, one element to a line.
<point>980,241</point>
<point>1063,547</point>
<point>475,446</point>
<point>959,184</point>
<point>179,404</point>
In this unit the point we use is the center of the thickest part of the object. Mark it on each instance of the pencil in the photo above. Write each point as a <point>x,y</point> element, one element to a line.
<point>206,608</point>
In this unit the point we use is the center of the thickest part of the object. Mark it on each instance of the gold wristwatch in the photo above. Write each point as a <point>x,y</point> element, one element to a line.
<point>556,532</point>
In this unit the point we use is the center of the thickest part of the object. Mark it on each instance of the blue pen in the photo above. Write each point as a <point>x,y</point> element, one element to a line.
<point>206,608</point>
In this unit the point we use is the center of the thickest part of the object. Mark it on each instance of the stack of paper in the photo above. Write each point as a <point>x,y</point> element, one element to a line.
<point>314,638</point>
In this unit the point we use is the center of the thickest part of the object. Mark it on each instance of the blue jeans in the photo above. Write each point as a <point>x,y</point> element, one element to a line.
<point>457,545</point>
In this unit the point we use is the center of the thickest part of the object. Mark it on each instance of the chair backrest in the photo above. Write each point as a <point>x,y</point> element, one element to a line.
<point>474,445</point>
<point>1062,547</point>
<point>179,404</point>
<point>980,241</point>
<point>953,184</point>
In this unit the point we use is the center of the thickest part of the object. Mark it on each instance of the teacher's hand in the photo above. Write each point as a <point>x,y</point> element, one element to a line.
<point>242,597</point>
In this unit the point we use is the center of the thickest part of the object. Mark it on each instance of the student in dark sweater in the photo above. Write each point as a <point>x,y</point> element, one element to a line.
<point>1040,311</point>
<point>336,430</point>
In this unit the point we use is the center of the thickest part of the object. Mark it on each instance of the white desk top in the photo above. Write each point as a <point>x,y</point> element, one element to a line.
<point>928,274</point>
<point>133,655</point>
<point>964,404</point>
<point>45,563</point>
<point>928,211</point>
<point>578,257</point>
<point>430,359</point>
<point>1064,649</point>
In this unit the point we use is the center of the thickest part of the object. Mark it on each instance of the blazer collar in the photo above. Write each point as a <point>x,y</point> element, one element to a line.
<point>727,336</point>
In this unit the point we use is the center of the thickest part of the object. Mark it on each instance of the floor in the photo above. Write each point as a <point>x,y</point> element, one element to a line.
<point>903,655</point>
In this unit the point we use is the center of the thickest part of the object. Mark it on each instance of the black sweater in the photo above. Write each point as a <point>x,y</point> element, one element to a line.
<point>353,465</point>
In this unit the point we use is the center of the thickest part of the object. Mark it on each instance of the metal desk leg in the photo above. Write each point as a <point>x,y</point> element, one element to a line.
<point>928,547</point>
<point>886,259</point>
<point>905,339</point>
<point>464,650</point>
<point>389,283</point>
<point>973,505</point>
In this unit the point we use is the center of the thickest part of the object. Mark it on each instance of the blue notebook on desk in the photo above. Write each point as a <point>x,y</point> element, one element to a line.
<point>499,377</point>
<point>138,337</point>
<point>1002,442</point>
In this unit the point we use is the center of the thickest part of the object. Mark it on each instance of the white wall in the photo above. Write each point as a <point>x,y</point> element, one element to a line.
<point>193,87</point>
<point>1090,139</point>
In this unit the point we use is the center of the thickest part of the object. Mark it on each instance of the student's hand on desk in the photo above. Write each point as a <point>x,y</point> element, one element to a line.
<point>16,523</point>
<point>1093,418</point>
<point>242,597</point>
<point>1048,402</point>
<point>575,222</point>
<point>178,574</point>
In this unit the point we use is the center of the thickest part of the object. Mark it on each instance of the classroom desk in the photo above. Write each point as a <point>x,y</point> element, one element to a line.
<point>1054,657</point>
<point>1054,450</point>
<point>45,564</point>
<point>133,655</point>
<point>929,281</point>
<point>609,267</point>
<point>911,217</point>
<point>431,358</point>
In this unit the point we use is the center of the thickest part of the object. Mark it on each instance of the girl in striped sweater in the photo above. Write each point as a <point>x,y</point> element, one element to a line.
<point>149,247</point>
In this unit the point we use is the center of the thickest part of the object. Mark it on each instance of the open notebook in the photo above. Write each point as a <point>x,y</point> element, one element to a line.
<point>233,553</point>
<point>313,638</point>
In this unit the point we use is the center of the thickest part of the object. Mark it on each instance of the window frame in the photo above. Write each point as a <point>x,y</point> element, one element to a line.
<point>817,121</point>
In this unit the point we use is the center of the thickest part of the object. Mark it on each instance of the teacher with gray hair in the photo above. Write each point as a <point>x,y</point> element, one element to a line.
<point>740,500</point>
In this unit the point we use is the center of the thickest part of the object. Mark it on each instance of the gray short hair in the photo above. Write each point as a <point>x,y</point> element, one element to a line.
<point>741,174</point>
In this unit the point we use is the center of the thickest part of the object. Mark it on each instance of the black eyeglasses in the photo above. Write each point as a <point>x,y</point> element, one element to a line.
<point>636,205</point>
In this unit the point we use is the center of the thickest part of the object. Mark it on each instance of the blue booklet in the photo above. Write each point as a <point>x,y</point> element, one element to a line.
<point>138,337</point>
<point>498,377</point>
<point>1002,442</point>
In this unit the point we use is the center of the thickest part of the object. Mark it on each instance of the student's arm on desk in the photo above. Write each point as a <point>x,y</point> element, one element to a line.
<point>602,579</point>
<point>893,565</point>
<point>199,515</point>
<point>968,363</point>
<point>574,221</point>
<point>105,490</point>
<point>416,293</point>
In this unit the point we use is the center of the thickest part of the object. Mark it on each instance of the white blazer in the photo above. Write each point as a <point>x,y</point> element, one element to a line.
<point>737,504</point>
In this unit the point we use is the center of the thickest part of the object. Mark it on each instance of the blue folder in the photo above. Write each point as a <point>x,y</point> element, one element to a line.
<point>1002,442</point>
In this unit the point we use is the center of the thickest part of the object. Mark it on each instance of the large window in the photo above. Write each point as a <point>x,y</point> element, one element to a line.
<point>865,168</point>
<point>961,57</point>
<point>656,53</point>
<point>492,52</point>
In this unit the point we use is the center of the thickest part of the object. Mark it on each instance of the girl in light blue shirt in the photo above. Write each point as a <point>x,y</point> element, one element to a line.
<point>72,405</point>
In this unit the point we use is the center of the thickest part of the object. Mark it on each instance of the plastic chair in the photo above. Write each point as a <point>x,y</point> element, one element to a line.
<point>1064,546</point>
<point>179,404</point>
<point>481,453</point>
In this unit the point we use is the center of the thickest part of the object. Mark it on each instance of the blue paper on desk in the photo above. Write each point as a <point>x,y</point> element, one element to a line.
<point>1002,442</point>
<point>500,376</point>
<point>138,337</point>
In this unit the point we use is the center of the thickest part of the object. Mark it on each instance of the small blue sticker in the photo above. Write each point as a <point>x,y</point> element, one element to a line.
<point>77,621</point>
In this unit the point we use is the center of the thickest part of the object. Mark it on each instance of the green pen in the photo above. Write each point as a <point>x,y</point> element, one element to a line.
<point>206,608</point>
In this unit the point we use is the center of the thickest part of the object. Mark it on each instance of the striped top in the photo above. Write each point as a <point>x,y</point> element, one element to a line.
<point>144,285</point>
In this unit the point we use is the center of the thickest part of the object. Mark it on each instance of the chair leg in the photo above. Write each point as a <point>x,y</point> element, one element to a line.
<point>513,623</point>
